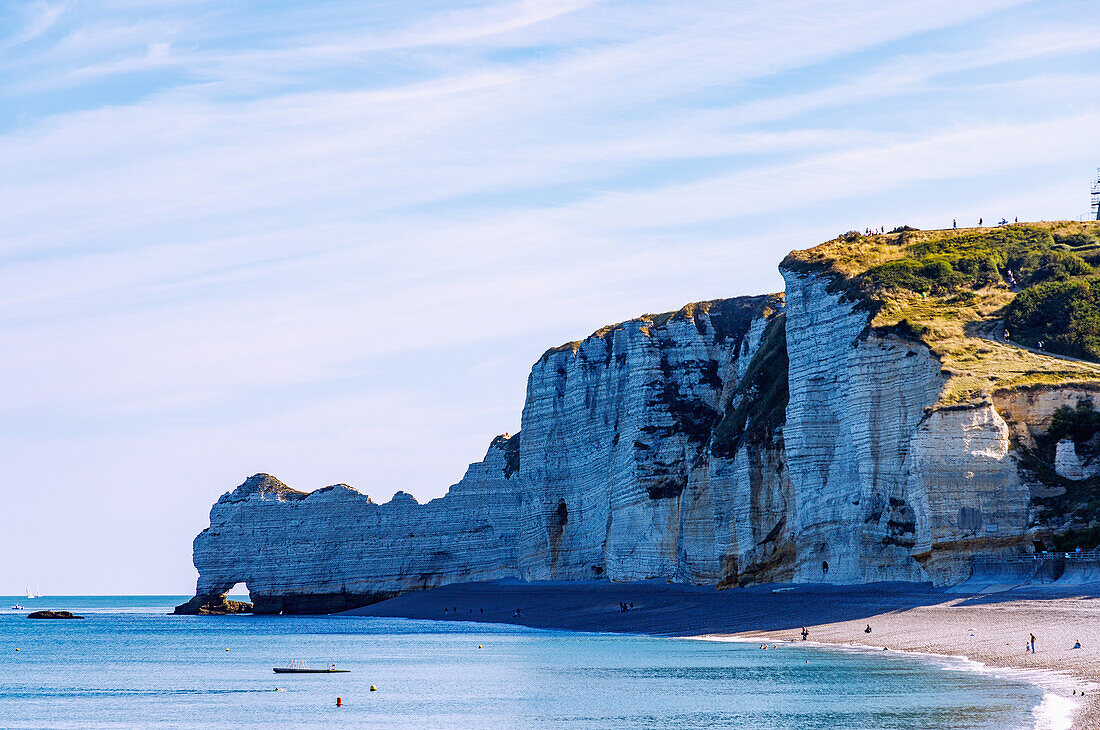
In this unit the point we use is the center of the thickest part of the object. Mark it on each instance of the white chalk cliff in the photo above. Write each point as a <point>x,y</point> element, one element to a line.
<point>734,441</point>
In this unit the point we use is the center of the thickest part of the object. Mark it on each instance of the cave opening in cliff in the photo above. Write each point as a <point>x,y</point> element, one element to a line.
<point>561,515</point>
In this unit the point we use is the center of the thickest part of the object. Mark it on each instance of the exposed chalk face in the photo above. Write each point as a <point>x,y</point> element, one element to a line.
<point>735,441</point>
<point>965,489</point>
<point>1066,463</point>
<point>856,400</point>
<point>611,477</point>
<point>337,541</point>
<point>614,455</point>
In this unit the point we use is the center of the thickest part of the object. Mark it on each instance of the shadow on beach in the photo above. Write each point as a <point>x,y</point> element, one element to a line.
<point>660,608</point>
<point>664,609</point>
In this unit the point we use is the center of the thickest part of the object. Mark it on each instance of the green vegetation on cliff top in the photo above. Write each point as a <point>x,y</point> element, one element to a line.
<point>952,289</point>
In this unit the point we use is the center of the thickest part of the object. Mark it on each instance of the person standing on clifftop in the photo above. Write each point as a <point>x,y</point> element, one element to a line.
<point>824,568</point>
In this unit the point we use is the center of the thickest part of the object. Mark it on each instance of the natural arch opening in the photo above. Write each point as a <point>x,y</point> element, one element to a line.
<point>216,601</point>
<point>239,592</point>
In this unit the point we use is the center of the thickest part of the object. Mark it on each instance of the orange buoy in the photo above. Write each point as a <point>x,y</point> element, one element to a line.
<point>339,702</point>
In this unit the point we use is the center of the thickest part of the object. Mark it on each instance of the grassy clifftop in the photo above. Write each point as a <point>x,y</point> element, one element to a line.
<point>953,289</point>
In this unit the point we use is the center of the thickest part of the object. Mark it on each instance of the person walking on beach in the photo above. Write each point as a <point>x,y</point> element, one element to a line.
<point>805,633</point>
<point>1032,642</point>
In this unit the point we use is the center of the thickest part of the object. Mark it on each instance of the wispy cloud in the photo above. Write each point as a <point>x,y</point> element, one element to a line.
<point>37,18</point>
<point>301,238</point>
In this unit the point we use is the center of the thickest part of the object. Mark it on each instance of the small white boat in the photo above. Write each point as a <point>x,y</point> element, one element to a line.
<point>17,607</point>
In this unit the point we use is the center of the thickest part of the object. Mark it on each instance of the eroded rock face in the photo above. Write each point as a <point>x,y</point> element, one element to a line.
<point>856,400</point>
<point>611,476</point>
<point>614,459</point>
<point>736,441</point>
<point>965,490</point>
<point>1066,462</point>
<point>335,549</point>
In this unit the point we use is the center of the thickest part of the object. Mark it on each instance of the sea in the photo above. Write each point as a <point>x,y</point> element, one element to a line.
<point>130,664</point>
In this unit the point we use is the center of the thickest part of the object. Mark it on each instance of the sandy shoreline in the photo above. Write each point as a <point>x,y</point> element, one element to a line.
<point>992,633</point>
<point>990,629</point>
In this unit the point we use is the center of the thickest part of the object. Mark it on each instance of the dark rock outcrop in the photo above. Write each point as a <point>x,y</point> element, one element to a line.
<point>206,605</point>
<point>53,614</point>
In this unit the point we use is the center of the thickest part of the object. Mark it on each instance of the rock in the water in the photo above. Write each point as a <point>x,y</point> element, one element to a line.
<point>212,606</point>
<point>53,614</point>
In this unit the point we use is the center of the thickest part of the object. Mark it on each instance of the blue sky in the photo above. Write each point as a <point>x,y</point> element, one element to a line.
<point>326,240</point>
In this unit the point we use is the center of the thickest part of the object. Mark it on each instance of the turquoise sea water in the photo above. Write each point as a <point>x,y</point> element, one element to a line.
<point>128,664</point>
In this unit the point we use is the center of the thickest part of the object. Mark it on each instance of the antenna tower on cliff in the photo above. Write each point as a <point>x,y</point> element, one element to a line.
<point>1094,209</point>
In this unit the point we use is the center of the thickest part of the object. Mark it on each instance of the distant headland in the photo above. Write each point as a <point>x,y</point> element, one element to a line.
<point>912,401</point>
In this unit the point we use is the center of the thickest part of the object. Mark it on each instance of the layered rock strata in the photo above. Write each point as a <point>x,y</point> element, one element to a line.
<point>734,441</point>
<point>611,476</point>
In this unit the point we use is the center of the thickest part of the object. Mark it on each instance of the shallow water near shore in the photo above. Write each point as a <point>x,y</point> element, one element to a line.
<point>129,664</point>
